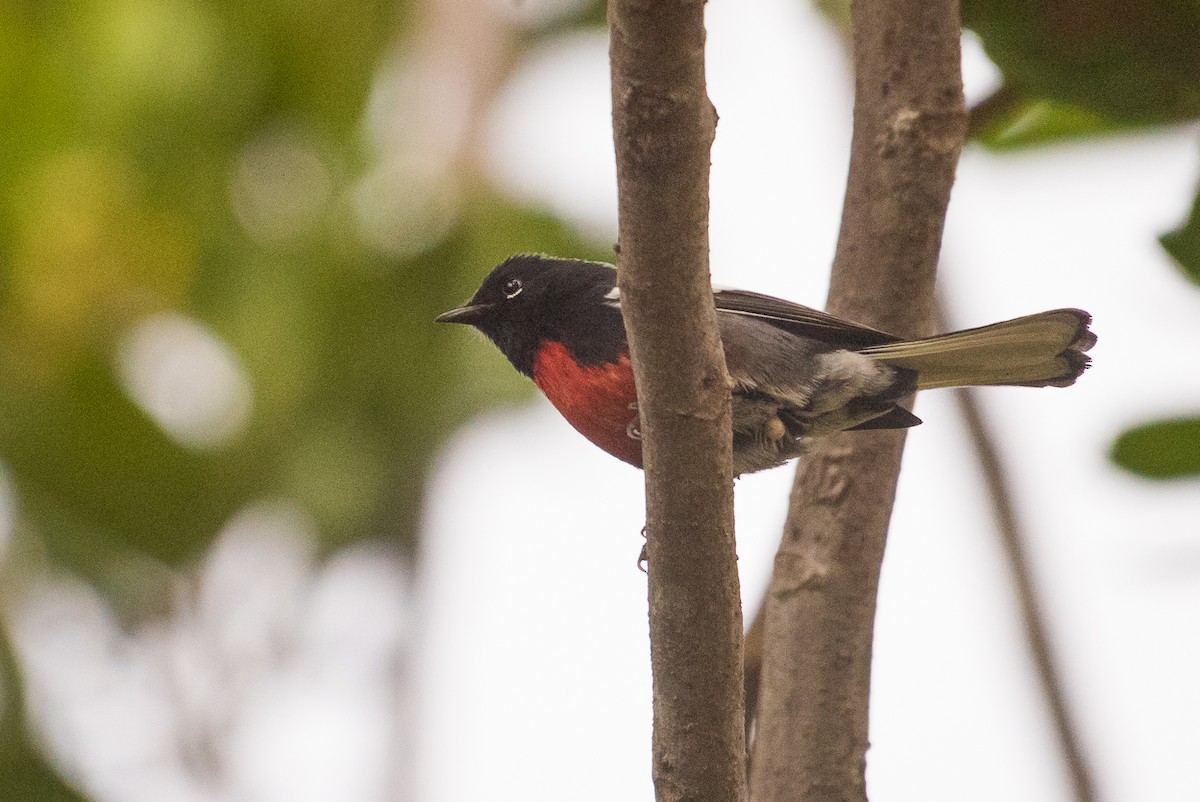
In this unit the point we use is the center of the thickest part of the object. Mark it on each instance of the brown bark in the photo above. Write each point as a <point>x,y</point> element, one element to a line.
<point>663,128</point>
<point>909,127</point>
<point>752,655</point>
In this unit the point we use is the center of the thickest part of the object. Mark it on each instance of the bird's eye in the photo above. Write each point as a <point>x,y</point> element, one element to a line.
<point>512,288</point>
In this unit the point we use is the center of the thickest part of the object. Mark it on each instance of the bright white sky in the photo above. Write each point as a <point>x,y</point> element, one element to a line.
<point>533,674</point>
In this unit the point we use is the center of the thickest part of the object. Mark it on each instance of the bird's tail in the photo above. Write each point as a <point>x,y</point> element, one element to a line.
<point>1040,350</point>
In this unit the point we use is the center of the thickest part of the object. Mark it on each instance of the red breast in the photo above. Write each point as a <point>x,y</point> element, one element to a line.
<point>599,401</point>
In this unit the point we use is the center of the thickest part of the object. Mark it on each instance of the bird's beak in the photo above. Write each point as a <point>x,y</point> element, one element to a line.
<point>469,314</point>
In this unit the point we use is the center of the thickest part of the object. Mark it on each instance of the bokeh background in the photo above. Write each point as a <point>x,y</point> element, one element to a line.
<point>266,533</point>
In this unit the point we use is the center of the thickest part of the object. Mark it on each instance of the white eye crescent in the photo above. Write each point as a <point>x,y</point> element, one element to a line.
<point>512,288</point>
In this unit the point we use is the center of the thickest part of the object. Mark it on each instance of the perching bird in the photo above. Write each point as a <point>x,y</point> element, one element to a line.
<point>798,373</point>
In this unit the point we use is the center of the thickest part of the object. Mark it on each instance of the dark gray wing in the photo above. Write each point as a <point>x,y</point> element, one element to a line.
<point>800,320</point>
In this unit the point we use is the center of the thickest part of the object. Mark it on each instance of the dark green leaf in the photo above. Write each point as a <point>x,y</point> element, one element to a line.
<point>1131,61</point>
<point>1184,243</point>
<point>1161,450</point>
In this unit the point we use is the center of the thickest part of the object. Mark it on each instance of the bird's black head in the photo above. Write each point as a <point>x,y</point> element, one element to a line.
<point>532,298</point>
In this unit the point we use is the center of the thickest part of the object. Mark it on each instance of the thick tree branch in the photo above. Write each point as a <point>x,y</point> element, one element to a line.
<point>909,127</point>
<point>663,127</point>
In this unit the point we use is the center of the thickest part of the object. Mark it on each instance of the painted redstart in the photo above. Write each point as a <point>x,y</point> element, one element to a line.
<point>798,373</point>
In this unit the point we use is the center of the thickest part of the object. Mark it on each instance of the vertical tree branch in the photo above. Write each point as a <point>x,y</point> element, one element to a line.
<point>909,127</point>
<point>663,128</point>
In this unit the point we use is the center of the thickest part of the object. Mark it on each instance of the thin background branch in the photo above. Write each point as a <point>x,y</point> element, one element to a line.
<point>909,127</point>
<point>663,128</point>
<point>1012,540</point>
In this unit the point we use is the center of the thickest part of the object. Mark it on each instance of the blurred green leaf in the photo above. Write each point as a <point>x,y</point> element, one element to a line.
<point>129,124</point>
<point>1132,61</point>
<point>207,162</point>
<point>1183,244</point>
<point>28,778</point>
<point>1161,450</point>
<point>1027,123</point>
